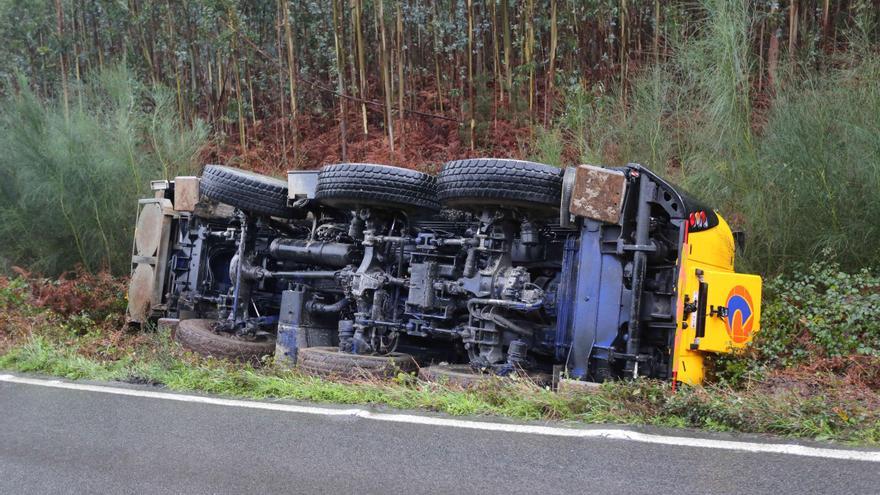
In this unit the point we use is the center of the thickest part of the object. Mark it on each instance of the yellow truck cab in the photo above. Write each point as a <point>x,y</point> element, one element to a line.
<point>652,283</point>
<point>719,310</point>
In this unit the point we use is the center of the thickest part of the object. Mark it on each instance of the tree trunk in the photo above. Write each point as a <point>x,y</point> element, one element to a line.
<point>773,58</point>
<point>551,73</point>
<point>340,75</point>
<point>291,79</point>
<point>59,24</point>
<point>826,21</point>
<point>357,14</point>
<point>496,55</point>
<point>436,47</point>
<point>279,46</point>
<point>470,72</point>
<point>656,44</point>
<point>623,46</point>
<point>792,29</point>
<point>761,56</point>
<point>400,81</point>
<point>505,28</point>
<point>386,73</point>
<point>773,50</point>
<point>528,47</point>
<point>242,126</point>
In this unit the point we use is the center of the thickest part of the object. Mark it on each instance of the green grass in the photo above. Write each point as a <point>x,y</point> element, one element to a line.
<point>160,361</point>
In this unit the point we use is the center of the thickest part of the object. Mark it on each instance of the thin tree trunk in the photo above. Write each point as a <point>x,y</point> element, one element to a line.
<point>357,14</point>
<point>173,48</point>
<point>773,51</point>
<point>77,72</point>
<point>400,81</point>
<point>242,126</point>
<point>496,55</point>
<point>250,85</point>
<point>279,44</point>
<point>351,58</point>
<point>528,48</point>
<point>96,39</point>
<point>826,18</point>
<point>623,46</point>
<point>436,46</point>
<point>340,74</point>
<point>773,58</point>
<point>470,72</point>
<point>761,56</point>
<point>291,79</point>
<point>65,91</point>
<point>656,45</point>
<point>505,28</point>
<point>386,73</point>
<point>145,45</point>
<point>792,29</point>
<point>233,22</point>
<point>551,74</point>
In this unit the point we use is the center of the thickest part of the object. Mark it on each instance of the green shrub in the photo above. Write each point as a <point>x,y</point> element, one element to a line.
<point>70,177</point>
<point>817,312</point>
<point>13,292</point>
<point>820,311</point>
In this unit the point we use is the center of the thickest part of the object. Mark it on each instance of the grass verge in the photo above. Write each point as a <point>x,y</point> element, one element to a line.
<point>784,411</point>
<point>820,403</point>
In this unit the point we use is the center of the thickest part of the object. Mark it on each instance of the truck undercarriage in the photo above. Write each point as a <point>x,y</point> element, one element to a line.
<point>495,266</point>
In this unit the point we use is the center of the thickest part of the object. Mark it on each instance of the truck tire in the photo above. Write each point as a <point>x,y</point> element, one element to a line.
<point>248,191</point>
<point>491,181</point>
<point>329,361</point>
<point>457,375</point>
<point>364,184</point>
<point>198,336</point>
<point>465,376</point>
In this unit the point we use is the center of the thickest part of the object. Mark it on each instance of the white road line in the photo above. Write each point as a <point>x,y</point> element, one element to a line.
<point>605,433</point>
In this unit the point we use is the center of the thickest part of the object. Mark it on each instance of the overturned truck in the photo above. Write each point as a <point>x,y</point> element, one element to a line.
<point>493,267</point>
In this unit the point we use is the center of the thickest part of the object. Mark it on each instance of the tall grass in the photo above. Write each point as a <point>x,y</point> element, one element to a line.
<point>818,172</point>
<point>69,177</point>
<point>800,179</point>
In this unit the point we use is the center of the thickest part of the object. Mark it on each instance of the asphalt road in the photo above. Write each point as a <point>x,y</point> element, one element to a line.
<point>71,441</point>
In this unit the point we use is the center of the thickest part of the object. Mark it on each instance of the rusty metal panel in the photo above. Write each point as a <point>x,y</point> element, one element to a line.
<point>186,193</point>
<point>598,194</point>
